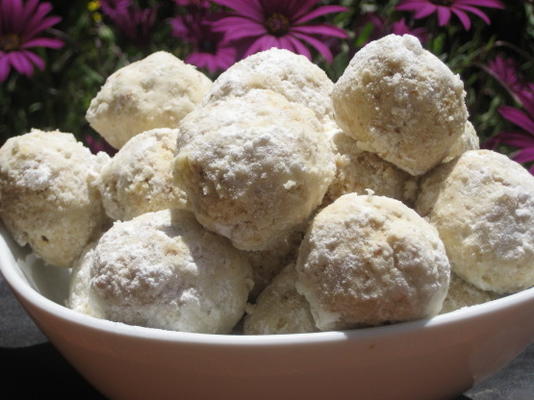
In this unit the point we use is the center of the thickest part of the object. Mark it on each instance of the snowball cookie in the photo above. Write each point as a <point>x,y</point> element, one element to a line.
<point>254,167</point>
<point>368,260</point>
<point>280,308</point>
<point>139,178</point>
<point>358,170</point>
<point>49,195</point>
<point>80,298</point>
<point>468,141</point>
<point>400,101</point>
<point>163,270</point>
<point>155,92</point>
<point>483,207</point>
<point>462,294</point>
<point>282,71</point>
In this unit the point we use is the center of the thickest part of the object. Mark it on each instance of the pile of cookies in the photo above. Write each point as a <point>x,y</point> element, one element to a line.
<point>273,200</point>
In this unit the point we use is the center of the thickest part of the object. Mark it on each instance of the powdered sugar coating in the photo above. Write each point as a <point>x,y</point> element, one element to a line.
<point>358,170</point>
<point>483,207</point>
<point>280,308</point>
<point>155,92</point>
<point>80,297</point>
<point>254,167</point>
<point>468,141</point>
<point>48,192</point>
<point>282,71</point>
<point>139,178</point>
<point>368,260</point>
<point>163,270</point>
<point>400,101</point>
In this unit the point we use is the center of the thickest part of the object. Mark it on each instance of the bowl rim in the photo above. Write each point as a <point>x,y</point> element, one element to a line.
<point>22,287</point>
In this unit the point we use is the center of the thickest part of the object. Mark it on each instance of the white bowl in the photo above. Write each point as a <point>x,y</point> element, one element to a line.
<point>435,358</point>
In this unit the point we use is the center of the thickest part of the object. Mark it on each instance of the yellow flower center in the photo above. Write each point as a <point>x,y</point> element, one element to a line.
<point>9,42</point>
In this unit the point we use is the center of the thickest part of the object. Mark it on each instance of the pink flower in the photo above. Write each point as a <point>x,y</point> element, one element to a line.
<point>20,24</point>
<point>279,23</point>
<point>445,9</point>
<point>209,50</point>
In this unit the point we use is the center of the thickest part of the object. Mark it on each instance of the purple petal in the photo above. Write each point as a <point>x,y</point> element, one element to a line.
<point>4,67</point>
<point>444,15</point>
<point>482,3</point>
<point>324,29</point>
<point>475,11</point>
<point>48,22</point>
<point>517,117</point>
<point>516,139</point>
<point>286,43</point>
<point>319,12</point>
<point>29,9</point>
<point>318,45</point>
<point>17,14</point>
<point>242,29</point>
<point>299,47</point>
<point>464,19</point>
<point>298,8</point>
<point>20,63</point>
<point>230,23</point>
<point>36,19</point>
<point>425,11</point>
<point>35,59</point>
<point>44,42</point>
<point>249,8</point>
<point>262,43</point>
<point>525,155</point>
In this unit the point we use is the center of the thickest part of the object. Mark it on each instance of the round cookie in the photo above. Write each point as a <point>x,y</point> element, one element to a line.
<point>80,298</point>
<point>155,92</point>
<point>163,270</point>
<point>49,195</point>
<point>369,260</point>
<point>254,167</point>
<point>462,294</point>
<point>400,101</point>
<point>280,308</point>
<point>282,71</point>
<point>139,178</point>
<point>468,141</point>
<point>483,207</point>
<point>359,170</point>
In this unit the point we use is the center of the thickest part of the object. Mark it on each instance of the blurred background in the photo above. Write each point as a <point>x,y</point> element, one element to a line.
<point>55,55</point>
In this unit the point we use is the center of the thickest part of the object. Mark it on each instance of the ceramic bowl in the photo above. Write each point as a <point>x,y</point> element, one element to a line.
<point>435,358</point>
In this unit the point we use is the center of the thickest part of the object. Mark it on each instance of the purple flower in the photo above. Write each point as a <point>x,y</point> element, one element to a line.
<point>134,22</point>
<point>279,23</point>
<point>445,9</point>
<point>20,24</point>
<point>401,28</point>
<point>209,50</point>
